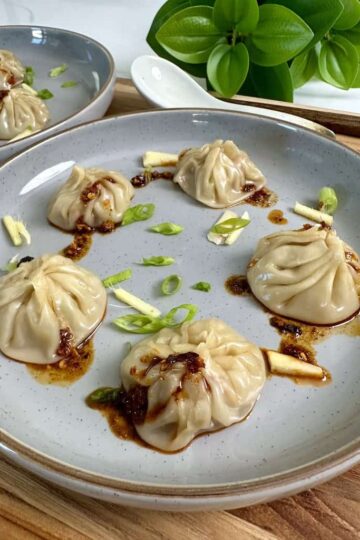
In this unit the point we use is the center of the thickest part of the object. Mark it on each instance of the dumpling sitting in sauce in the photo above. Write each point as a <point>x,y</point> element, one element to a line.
<point>11,70</point>
<point>218,175</point>
<point>20,109</point>
<point>94,197</point>
<point>197,378</point>
<point>309,275</point>
<point>48,306</point>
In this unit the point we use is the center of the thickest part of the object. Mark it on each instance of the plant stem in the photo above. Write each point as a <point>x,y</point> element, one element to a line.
<point>233,38</point>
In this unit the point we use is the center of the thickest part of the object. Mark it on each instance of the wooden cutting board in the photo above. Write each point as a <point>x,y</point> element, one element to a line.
<point>32,509</point>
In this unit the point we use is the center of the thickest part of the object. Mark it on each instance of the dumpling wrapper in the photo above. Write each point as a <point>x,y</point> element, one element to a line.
<point>309,275</point>
<point>42,297</point>
<point>20,110</point>
<point>221,393</point>
<point>110,196</point>
<point>216,174</point>
<point>12,71</point>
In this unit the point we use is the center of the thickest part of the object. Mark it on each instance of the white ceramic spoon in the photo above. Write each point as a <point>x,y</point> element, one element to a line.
<point>167,86</point>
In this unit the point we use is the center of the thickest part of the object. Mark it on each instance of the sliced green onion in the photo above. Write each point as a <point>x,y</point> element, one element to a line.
<point>145,324</point>
<point>11,264</point>
<point>158,261</point>
<point>29,76</point>
<point>202,286</point>
<point>69,84</point>
<point>117,278</point>
<point>170,321</point>
<point>136,302</point>
<point>327,200</point>
<point>140,212</point>
<point>167,228</point>
<point>56,71</point>
<point>103,395</point>
<point>171,284</point>
<point>230,225</point>
<point>45,94</point>
<point>138,324</point>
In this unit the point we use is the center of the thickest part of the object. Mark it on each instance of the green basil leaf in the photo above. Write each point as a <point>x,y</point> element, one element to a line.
<point>29,75</point>
<point>45,94</point>
<point>356,82</point>
<point>338,62</point>
<point>165,12</point>
<point>320,15</point>
<point>269,83</point>
<point>190,34</point>
<point>279,36</point>
<point>240,14</point>
<point>303,67</point>
<point>350,16</point>
<point>158,261</point>
<point>353,35</point>
<point>227,68</point>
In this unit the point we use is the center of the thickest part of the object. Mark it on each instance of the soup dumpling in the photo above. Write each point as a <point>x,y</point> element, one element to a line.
<point>12,71</point>
<point>46,306</point>
<point>218,175</point>
<point>92,196</point>
<point>197,378</point>
<point>20,109</point>
<point>309,275</point>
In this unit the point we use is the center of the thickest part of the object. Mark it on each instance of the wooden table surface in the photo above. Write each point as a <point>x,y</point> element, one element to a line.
<point>31,508</point>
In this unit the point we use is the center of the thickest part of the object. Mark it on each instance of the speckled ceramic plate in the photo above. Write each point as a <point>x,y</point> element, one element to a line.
<point>296,436</point>
<point>89,63</point>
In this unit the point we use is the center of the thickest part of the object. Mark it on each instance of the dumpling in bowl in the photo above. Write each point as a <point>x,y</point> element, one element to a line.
<point>92,197</point>
<point>21,109</point>
<point>309,275</point>
<point>218,175</point>
<point>48,306</point>
<point>194,379</point>
<point>11,70</point>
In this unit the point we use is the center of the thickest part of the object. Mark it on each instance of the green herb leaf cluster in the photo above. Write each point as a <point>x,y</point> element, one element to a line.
<point>262,48</point>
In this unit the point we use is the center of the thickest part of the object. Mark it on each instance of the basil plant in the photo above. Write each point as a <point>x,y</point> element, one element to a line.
<point>262,48</point>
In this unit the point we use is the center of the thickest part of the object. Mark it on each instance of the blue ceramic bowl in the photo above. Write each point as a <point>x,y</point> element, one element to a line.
<point>89,63</point>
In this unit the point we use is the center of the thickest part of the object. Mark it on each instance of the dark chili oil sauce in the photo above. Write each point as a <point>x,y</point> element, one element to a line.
<point>262,198</point>
<point>277,217</point>
<point>143,179</point>
<point>67,370</point>
<point>238,285</point>
<point>131,408</point>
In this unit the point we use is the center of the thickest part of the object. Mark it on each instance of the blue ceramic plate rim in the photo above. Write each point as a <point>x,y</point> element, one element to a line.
<point>98,96</point>
<point>314,472</point>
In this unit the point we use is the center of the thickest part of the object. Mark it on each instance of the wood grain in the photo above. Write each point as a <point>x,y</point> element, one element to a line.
<point>31,508</point>
<point>338,121</point>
